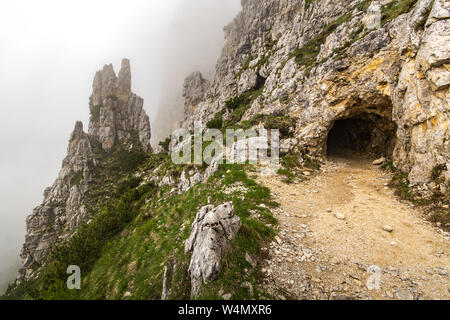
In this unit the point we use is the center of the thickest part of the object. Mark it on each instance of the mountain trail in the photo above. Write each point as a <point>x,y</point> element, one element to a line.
<point>345,235</point>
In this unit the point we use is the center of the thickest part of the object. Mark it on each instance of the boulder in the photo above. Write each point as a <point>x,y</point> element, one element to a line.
<point>212,232</point>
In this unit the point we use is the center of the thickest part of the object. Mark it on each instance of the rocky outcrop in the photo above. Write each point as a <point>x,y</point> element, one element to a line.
<point>212,232</point>
<point>194,91</point>
<point>117,114</point>
<point>117,117</point>
<point>323,61</point>
<point>62,210</point>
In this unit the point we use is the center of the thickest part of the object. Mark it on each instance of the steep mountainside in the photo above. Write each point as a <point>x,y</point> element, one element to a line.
<point>117,120</point>
<point>320,71</point>
<point>319,62</point>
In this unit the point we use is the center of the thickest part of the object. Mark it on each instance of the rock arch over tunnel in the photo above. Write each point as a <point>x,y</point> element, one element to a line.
<point>364,134</point>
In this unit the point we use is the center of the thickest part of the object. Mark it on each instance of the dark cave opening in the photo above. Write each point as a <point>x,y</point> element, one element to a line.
<point>260,81</point>
<point>362,136</point>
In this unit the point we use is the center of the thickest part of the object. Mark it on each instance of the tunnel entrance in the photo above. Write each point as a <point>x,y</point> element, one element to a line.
<point>362,136</point>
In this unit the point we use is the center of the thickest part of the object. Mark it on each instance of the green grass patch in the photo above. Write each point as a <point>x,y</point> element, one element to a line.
<point>141,229</point>
<point>307,55</point>
<point>395,9</point>
<point>308,4</point>
<point>239,105</point>
<point>165,144</point>
<point>288,175</point>
<point>433,207</point>
<point>293,166</point>
<point>76,179</point>
<point>400,183</point>
<point>216,122</point>
<point>95,112</point>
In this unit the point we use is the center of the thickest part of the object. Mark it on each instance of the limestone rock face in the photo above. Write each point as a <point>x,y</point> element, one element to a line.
<point>194,177</point>
<point>117,114</point>
<point>62,210</point>
<point>119,118</point>
<point>194,91</point>
<point>212,232</point>
<point>398,73</point>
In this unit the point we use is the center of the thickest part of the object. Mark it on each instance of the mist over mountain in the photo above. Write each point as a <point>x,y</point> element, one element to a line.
<point>350,98</point>
<point>50,52</point>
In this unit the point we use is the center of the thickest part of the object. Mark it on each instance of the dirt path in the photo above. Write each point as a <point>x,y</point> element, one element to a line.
<point>344,235</point>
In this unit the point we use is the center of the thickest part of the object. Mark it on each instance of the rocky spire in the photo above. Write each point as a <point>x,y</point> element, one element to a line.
<point>124,81</point>
<point>117,114</point>
<point>62,210</point>
<point>195,88</point>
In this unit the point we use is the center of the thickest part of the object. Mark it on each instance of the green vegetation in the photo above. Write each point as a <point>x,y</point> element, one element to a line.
<point>238,105</point>
<point>364,5</point>
<point>293,169</point>
<point>396,8</point>
<point>86,247</point>
<point>165,144</point>
<point>244,68</point>
<point>95,112</point>
<point>388,165</point>
<point>216,122</point>
<point>307,55</point>
<point>282,123</point>
<point>310,163</point>
<point>308,4</point>
<point>244,99</point>
<point>401,183</point>
<point>420,25</point>
<point>437,172</point>
<point>137,229</point>
<point>289,176</point>
<point>77,178</point>
<point>291,161</point>
<point>432,206</point>
<point>270,50</point>
<point>127,161</point>
<point>112,97</point>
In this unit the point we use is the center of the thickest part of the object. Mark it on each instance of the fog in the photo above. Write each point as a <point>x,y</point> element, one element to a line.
<point>49,53</point>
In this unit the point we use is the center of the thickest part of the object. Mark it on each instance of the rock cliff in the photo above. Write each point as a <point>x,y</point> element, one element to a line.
<point>371,75</point>
<point>117,119</point>
<point>321,62</point>
<point>117,114</point>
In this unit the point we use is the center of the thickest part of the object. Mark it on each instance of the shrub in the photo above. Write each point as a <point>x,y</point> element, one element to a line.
<point>239,105</point>
<point>95,112</point>
<point>308,4</point>
<point>282,123</point>
<point>76,179</point>
<point>396,8</point>
<point>165,144</point>
<point>216,122</point>
<point>86,246</point>
<point>236,102</point>
<point>437,171</point>
<point>112,97</point>
<point>128,161</point>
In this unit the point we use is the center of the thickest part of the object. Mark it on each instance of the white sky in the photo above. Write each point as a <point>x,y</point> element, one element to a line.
<point>49,53</point>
